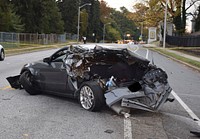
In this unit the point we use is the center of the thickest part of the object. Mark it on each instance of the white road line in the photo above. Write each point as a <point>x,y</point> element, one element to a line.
<point>137,48</point>
<point>127,129</point>
<point>147,54</point>
<point>127,121</point>
<point>189,111</point>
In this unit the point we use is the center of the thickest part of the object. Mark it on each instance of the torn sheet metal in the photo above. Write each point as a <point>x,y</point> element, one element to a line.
<point>14,81</point>
<point>153,93</point>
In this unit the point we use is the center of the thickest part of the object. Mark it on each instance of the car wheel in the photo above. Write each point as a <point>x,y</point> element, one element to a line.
<point>2,55</point>
<point>26,80</point>
<point>91,96</point>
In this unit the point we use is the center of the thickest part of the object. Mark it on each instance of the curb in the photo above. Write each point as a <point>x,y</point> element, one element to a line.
<point>191,66</point>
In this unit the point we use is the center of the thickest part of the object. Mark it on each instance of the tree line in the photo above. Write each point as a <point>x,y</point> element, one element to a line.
<point>151,12</point>
<point>59,16</point>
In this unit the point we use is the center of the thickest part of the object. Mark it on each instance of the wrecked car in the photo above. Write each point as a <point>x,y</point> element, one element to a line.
<point>118,78</point>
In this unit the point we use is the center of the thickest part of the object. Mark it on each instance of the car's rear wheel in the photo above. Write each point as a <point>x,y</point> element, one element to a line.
<point>91,96</point>
<point>2,55</point>
<point>26,80</point>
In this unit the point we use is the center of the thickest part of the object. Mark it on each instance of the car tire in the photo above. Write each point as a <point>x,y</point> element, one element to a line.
<point>27,83</point>
<point>2,55</point>
<point>91,96</point>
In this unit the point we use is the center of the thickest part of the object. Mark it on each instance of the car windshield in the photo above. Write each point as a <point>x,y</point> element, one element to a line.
<point>60,55</point>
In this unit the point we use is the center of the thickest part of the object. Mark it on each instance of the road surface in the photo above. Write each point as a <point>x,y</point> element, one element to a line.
<point>47,116</point>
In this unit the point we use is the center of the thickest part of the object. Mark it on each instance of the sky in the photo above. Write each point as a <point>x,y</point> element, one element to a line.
<point>120,3</point>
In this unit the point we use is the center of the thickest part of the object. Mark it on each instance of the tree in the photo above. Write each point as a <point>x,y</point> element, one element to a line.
<point>90,17</point>
<point>113,34</point>
<point>30,14</point>
<point>69,11</point>
<point>39,16</point>
<point>105,12</point>
<point>178,12</point>
<point>125,25</point>
<point>152,12</point>
<point>84,23</point>
<point>94,30</point>
<point>197,21</point>
<point>9,20</point>
<point>51,20</point>
<point>120,24</point>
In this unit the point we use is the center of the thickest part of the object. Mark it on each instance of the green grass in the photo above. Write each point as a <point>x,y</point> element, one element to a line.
<point>16,48</point>
<point>7,45</point>
<point>178,57</point>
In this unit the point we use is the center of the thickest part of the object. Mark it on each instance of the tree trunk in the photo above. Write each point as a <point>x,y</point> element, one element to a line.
<point>183,16</point>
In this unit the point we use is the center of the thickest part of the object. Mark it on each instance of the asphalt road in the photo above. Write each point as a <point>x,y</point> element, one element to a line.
<point>46,116</point>
<point>185,81</point>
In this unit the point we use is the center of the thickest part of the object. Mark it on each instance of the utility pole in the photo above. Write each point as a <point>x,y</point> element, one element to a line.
<point>165,24</point>
<point>78,27</point>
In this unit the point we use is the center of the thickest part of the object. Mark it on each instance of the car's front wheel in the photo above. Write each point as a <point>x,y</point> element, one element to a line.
<point>26,80</point>
<point>2,55</point>
<point>91,96</point>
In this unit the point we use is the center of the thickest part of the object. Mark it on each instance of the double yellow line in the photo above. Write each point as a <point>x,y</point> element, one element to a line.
<point>6,87</point>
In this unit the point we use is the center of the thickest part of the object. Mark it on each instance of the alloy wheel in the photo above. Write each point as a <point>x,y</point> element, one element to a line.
<point>86,97</point>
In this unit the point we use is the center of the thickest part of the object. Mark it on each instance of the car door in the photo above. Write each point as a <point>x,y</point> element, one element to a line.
<point>54,76</point>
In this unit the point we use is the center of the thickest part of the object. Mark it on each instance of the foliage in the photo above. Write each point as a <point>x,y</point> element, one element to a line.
<point>177,10</point>
<point>197,24</point>
<point>155,13</point>
<point>9,20</point>
<point>58,16</point>
<point>152,12</point>
<point>120,23</point>
<point>94,30</point>
<point>39,16</point>
<point>105,12</point>
<point>90,17</point>
<point>125,25</point>
<point>51,21</point>
<point>84,23</point>
<point>112,34</point>
<point>144,15</point>
<point>140,12</point>
<point>177,16</point>
<point>69,11</point>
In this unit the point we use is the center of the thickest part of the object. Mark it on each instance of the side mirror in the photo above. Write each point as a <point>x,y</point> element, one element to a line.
<point>47,60</point>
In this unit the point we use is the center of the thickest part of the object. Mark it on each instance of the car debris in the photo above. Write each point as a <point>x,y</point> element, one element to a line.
<point>118,78</point>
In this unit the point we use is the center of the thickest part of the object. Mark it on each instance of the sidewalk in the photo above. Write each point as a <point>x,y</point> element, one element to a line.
<point>177,53</point>
<point>185,55</point>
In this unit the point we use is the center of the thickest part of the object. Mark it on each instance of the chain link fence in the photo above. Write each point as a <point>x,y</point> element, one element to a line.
<point>34,38</point>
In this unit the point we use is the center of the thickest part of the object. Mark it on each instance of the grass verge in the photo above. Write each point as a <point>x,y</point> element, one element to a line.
<point>185,60</point>
<point>24,48</point>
